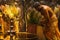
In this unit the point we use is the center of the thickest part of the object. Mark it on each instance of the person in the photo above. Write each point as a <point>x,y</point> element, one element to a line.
<point>57,12</point>
<point>50,30</point>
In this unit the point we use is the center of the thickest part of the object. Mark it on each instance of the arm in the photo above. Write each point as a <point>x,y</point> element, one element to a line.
<point>54,21</point>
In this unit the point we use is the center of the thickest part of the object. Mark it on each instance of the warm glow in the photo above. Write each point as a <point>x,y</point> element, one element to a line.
<point>11,11</point>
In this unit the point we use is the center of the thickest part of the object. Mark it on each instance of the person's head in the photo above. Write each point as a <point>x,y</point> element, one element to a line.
<point>36,4</point>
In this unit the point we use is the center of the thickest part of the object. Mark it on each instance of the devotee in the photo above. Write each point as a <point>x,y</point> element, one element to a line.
<point>51,30</point>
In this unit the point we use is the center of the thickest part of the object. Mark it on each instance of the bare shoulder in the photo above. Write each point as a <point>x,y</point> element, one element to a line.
<point>45,7</point>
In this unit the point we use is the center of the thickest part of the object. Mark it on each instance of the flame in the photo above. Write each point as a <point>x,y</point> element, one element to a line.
<point>11,11</point>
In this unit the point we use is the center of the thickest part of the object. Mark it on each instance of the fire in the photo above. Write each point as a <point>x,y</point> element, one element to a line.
<point>11,11</point>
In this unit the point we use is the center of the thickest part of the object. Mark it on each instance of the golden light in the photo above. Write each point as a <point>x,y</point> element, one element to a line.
<point>11,11</point>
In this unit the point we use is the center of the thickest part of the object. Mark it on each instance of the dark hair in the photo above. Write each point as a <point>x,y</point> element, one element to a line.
<point>36,4</point>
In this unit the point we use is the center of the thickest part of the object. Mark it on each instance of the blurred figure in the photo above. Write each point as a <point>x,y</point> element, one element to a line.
<point>57,12</point>
<point>51,31</point>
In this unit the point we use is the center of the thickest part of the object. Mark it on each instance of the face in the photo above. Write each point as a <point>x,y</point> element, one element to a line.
<point>37,8</point>
<point>42,10</point>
